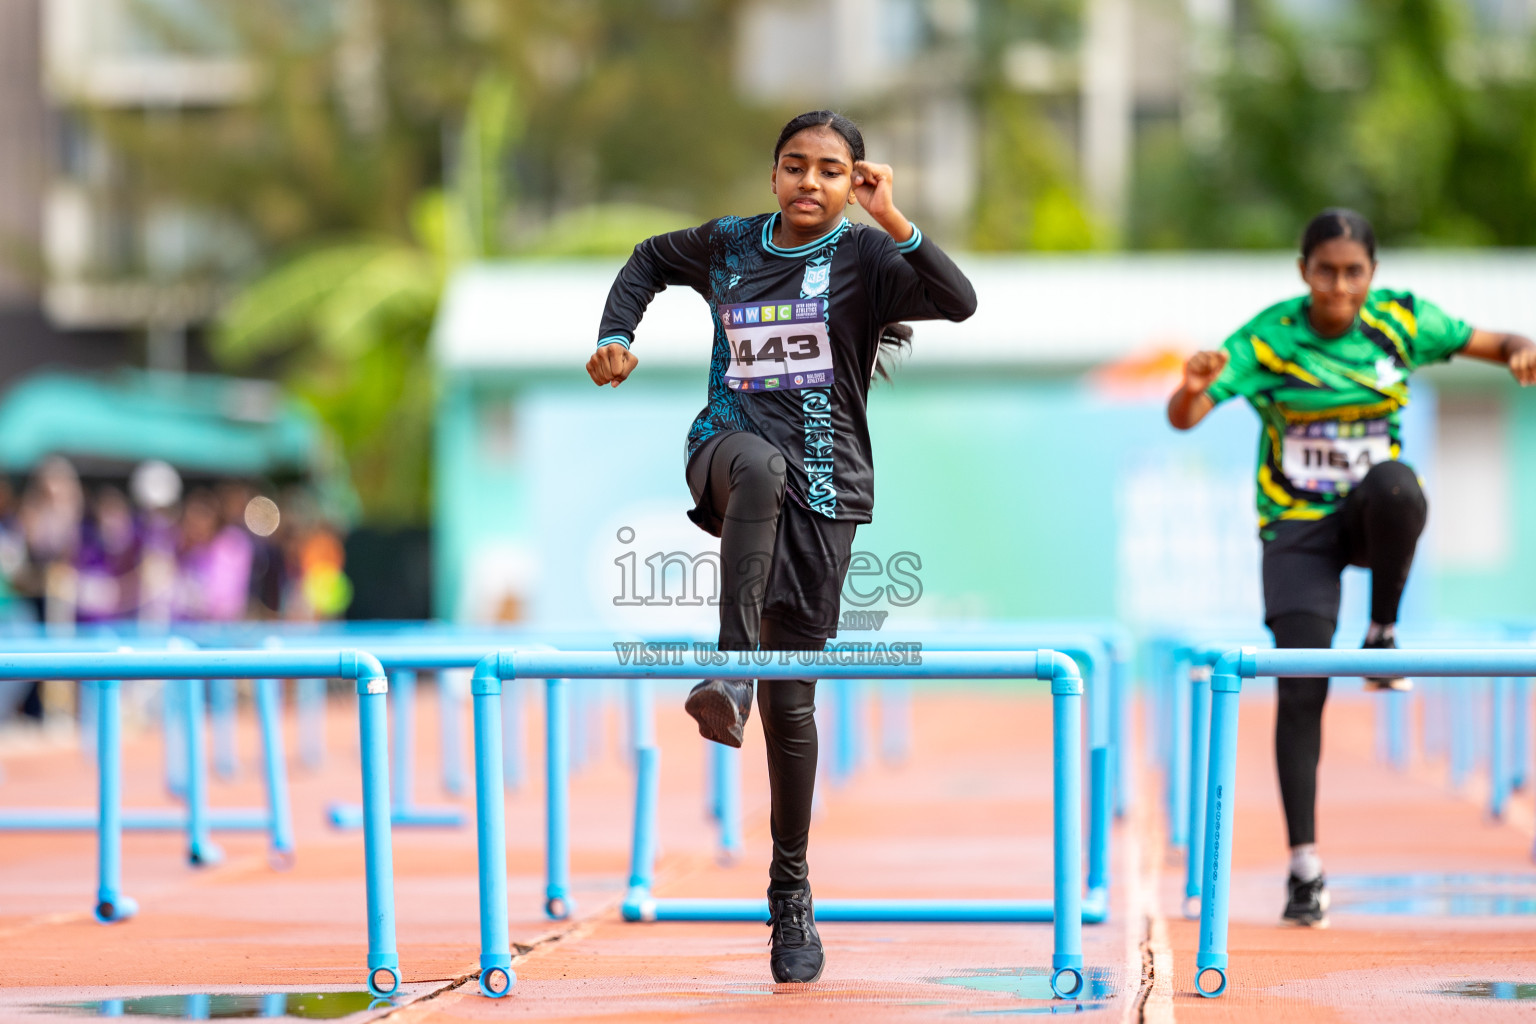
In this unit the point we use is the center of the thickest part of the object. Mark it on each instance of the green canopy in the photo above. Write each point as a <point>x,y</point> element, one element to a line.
<point>201,424</point>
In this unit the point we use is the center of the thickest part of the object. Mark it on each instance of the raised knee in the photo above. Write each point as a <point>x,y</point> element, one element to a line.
<point>1395,483</point>
<point>761,478</point>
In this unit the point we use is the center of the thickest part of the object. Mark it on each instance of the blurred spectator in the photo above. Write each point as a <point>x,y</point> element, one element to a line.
<point>156,487</point>
<point>51,512</point>
<point>219,555</point>
<point>214,563</point>
<point>317,587</point>
<point>13,547</point>
<point>107,565</point>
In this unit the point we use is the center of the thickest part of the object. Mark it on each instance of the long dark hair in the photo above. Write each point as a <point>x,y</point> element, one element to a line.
<point>894,338</point>
<point>1338,222</point>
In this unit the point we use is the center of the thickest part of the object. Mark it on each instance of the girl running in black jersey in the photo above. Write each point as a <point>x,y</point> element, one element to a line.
<point>779,461</point>
<point>1327,373</point>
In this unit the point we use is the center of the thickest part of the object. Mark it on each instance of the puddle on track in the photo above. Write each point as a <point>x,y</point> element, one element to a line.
<point>1435,895</point>
<point>1514,990</point>
<point>1034,984</point>
<point>216,1006</point>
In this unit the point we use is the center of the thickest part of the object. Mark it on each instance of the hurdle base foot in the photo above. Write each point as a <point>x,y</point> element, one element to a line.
<point>118,908</point>
<point>205,855</point>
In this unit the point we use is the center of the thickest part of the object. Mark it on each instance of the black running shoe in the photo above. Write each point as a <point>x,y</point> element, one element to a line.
<point>1385,643</point>
<point>721,707</point>
<point>1306,903</point>
<point>796,954</point>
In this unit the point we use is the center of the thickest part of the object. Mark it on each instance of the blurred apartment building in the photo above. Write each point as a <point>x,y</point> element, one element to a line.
<point>918,64</point>
<point>1099,70</point>
<point>95,271</point>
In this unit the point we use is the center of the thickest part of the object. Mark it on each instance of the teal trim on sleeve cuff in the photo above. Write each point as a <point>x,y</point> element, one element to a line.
<point>911,244</point>
<point>612,338</point>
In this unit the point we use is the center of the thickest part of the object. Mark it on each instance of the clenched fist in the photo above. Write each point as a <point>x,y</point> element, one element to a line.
<point>1202,369</point>
<point>611,364</point>
<point>1523,365</point>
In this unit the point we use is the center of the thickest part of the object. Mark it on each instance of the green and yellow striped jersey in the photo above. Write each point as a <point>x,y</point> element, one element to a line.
<point>1330,407</point>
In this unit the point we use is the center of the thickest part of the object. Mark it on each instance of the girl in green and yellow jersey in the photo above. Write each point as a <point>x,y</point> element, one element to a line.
<point>1328,375</point>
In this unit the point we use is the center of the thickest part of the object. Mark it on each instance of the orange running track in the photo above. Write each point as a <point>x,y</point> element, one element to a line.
<point>966,815</point>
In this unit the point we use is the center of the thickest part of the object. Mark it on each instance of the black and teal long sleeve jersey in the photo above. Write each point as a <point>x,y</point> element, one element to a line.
<point>796,335</point>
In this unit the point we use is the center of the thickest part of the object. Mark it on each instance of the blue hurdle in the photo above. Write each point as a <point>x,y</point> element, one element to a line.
<point>1097,663</point>
<point>1452,731</point>
<point>1226,685</point>
<point>107,669</point>
<point>186,750</point>
<point>1065,910</point>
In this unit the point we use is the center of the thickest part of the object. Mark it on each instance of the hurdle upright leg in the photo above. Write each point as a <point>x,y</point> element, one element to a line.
<point>1067,978</point>
<point>223,704</point>
<point>642,858</point>
<point>1178,754</point>
<point>1199,778</point>
<point>496,975</point>
<point>1498,752</point>
<point>89,713</point>
<point>1120,669</point>
<point>558,903</point>
<point>201,851</point>
<point>1100,790</point>
<point>1220,805</point>
<point>173,727</point>
<point>378,849</point>
<point>729,780</point>
<point>270,712</point>
<point>111,904</point>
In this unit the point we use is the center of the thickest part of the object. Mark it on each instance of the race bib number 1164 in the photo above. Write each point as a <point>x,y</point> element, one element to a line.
<point>777,346</point>
<point>1330,457</point>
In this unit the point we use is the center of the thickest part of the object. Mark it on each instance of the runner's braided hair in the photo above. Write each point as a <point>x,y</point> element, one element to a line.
<point>894,338</point>
<point>1338,222</point>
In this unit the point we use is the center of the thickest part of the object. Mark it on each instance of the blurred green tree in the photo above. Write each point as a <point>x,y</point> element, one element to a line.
<point>1408,110</point>
<point>386,142</point>
<point>1028,195</point>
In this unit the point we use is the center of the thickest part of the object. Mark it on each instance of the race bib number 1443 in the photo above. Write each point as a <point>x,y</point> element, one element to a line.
<point>777,346</point>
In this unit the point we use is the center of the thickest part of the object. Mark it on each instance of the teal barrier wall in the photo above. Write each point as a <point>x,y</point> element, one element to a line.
<point>1504,587</point>
<point>997,495</point>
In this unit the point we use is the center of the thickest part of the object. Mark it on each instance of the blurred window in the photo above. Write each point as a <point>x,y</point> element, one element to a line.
<point>1470,503</point>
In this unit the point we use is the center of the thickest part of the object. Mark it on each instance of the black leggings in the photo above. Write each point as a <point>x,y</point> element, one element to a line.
<point>1378,528</point>
<point>743,480</point>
